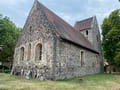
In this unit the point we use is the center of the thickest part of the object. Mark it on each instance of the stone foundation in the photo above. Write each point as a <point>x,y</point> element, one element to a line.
<point>35,72</point>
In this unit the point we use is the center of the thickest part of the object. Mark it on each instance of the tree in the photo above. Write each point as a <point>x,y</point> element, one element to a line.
<point>8,36</point>
<point>111,37</point>
<point>117,55</point>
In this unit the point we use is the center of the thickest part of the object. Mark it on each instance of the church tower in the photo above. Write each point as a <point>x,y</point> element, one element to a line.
<point>89,28</point>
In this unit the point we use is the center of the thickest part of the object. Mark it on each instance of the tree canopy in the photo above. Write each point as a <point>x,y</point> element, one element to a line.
<point>111,38</point>
<point>8,36</point>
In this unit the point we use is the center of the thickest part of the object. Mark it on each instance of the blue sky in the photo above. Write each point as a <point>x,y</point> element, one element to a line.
<point>70,10</point>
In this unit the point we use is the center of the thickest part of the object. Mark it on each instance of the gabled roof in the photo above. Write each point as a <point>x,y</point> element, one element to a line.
<point>84,24</point>
<point>66,31</point>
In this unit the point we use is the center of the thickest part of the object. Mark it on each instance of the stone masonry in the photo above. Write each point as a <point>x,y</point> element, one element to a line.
<point>42,54</point>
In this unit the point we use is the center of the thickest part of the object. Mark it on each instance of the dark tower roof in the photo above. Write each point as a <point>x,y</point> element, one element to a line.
<point>84,24</point>
<point>64,30</point>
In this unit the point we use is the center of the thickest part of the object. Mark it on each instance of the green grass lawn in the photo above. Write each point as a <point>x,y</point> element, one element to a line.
<point>92,82</point>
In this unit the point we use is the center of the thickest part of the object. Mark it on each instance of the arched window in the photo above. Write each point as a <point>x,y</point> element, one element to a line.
<point>38,52</point>
<point>22,53</point>
<point>29,51</point>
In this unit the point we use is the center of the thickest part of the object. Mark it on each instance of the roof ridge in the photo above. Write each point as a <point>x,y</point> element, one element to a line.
<point>55,14</point>
<point>85,19</point>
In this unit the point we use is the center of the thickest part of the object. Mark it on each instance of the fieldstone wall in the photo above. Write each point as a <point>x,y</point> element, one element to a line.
<point>41,69</point>
<point>60,59</point>
<point>37,30</point>
<point>95,39</point>
<point>68,63</point>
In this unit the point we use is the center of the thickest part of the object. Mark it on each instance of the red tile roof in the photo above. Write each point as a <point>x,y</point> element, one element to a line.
<point>84,24</point>
<point>66,31</point>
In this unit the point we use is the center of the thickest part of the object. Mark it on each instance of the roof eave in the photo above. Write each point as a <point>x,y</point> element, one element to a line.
<point>94,51</point>
<point>85,29</point>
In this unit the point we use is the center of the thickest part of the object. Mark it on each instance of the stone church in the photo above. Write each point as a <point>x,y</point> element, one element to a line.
<point>49,48</point>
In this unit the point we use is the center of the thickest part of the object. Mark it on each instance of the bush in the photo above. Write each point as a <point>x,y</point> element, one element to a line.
<point>1,67</point>
<point>5,71</point>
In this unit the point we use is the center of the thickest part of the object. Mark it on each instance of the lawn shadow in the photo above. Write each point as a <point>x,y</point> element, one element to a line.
<point>83,79</point>
<point>115,73</point>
